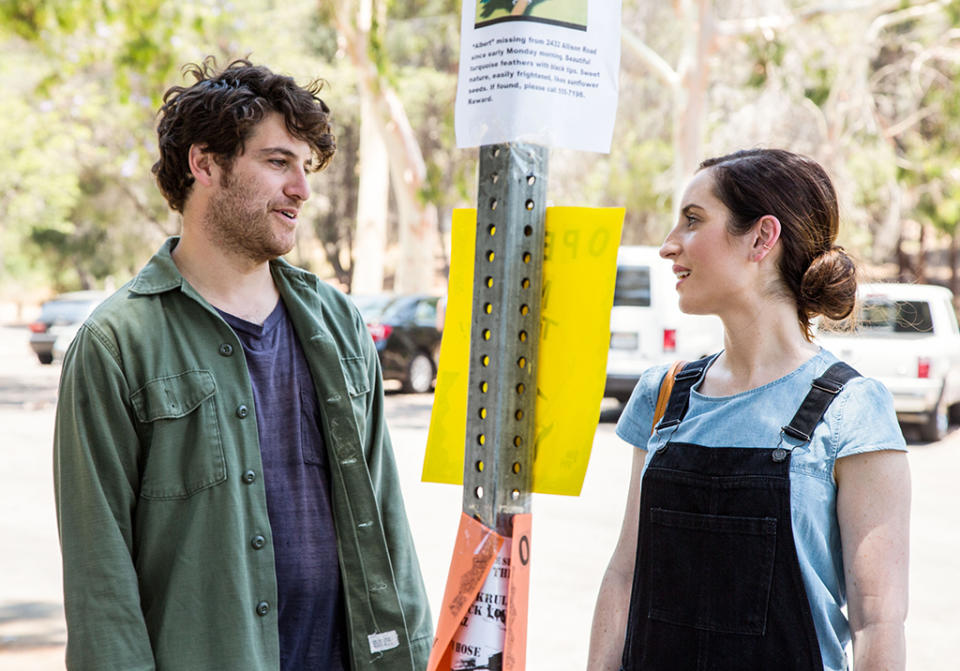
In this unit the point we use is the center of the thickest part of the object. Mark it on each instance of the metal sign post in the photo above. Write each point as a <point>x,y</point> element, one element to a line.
<point>505,333</point>
<point>501,401</point>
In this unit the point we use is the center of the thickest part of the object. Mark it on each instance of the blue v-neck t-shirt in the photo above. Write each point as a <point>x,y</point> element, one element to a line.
<point>297,483</point>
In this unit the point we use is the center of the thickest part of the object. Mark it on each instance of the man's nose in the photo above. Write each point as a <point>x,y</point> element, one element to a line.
<point>298,187</point>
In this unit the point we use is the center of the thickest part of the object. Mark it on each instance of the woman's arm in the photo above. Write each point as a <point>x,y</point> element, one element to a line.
<point>873,507</point>
<point>610,615</point>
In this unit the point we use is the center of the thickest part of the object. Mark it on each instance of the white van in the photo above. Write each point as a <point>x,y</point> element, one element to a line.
<point>646,325</point>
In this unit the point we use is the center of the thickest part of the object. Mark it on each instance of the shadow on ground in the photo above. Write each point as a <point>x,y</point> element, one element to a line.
<point>610,415</point>
<point>31,624</point>
<point>26,392</point>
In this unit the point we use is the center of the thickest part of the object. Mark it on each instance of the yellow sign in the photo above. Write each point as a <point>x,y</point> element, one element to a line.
<point>579,271</point>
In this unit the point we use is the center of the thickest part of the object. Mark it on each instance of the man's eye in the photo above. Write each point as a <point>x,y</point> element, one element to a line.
<point>279,162</point>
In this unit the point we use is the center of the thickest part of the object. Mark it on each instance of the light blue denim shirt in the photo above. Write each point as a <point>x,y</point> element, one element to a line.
<point>861,419</point>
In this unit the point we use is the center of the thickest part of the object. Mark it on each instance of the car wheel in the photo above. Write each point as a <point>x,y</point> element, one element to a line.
<point>953,413</point>
<point>419,374</point>
<point>45,358</point>
<point>935,426</point>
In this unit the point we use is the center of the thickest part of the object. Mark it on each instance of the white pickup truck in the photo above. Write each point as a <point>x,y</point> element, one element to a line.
<point>907,337</point>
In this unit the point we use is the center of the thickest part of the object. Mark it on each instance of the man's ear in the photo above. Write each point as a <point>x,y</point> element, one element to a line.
<point>202,165</point>
<point>766,234</point>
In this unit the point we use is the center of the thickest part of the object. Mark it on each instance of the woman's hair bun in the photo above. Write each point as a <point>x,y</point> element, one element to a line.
<point>829,286</point>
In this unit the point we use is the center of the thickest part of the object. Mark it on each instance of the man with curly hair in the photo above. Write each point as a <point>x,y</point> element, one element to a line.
<point>227,495</point>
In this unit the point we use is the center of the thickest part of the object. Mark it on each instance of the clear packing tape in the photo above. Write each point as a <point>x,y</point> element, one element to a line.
<point>579,272</point>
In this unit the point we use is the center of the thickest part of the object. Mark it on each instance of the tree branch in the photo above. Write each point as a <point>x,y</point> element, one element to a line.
<point>653,60</point>
<point>738,27</point>
<point>884,21</point>
<point>911,120</point>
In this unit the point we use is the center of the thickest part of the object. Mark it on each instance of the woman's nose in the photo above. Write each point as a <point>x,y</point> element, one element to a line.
<point>669,247</point>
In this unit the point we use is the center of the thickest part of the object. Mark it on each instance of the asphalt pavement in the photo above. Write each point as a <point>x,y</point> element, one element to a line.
<point>572,536</point>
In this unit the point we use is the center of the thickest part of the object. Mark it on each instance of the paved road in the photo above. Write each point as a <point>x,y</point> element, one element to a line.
<point>572,536</point>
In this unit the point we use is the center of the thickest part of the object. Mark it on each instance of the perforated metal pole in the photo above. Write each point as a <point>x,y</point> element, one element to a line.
<point>505,333</point>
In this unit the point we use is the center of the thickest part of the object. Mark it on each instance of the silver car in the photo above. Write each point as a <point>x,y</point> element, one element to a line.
<point>59,316</point>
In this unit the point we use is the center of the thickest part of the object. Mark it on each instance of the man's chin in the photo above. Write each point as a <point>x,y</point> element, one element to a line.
<point>273,254</point>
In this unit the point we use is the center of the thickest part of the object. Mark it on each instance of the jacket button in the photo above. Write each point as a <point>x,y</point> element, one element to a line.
<point>242,411</point>
<point>226,349</point>
<point>249,477</point>
<point>263,608</point>
<point>258,542</point>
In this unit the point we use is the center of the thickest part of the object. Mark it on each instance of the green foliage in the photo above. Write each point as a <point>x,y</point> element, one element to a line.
<point>630,178</point>
<point>929,150</point>
<point>83,78</point>
<point>763,53</point>
<point>819,81</point>
<point>77,136</point>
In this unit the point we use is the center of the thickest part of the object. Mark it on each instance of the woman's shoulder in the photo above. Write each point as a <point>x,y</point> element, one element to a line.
<point>862,418</point>
<point>636,419</point>
<point>859,387</point>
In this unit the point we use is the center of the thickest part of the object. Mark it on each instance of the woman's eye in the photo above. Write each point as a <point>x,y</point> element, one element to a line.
<point>691,220</point>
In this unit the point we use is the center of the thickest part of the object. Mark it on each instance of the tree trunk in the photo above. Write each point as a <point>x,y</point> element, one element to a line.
<point>954,284</point>
<point>418,220</point>
<point>887,234</point>
<point>921,274</point>
<point>372,194</point>
<point>904,268</point>
<point>690,94</point>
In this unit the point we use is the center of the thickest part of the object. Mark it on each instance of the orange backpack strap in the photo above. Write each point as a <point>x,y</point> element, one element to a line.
<point>666,386</point>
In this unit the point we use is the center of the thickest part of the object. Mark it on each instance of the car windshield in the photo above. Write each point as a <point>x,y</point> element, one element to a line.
<point>880,315</point>
<point>397,309</point>
<point>632,286</point>
<point>372,306</point>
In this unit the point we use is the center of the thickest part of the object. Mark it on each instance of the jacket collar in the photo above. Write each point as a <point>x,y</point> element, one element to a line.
<point>161,274</point>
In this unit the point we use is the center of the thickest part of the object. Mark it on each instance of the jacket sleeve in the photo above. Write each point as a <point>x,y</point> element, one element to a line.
<point>386,482</point>
<point>96,480</point>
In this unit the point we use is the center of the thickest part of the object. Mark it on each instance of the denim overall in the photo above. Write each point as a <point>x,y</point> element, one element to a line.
<point>717,584</point>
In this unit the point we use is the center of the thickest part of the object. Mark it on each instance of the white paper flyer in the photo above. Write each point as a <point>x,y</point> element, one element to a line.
<point>539,71</point>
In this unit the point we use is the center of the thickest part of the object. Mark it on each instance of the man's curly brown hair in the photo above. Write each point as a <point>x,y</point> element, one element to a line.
<point>219,112</point>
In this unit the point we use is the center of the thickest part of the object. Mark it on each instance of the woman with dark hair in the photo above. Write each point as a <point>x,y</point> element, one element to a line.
<point>767,520</point>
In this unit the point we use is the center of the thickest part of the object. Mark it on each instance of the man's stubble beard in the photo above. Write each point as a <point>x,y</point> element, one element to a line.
<point>241,226</point>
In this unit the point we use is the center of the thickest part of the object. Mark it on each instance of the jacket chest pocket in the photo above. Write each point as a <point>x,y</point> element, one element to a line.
<point>184,452</point>
<point>358,387</point>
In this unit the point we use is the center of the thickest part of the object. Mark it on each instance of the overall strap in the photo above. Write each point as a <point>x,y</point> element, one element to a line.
<point>680,396</point>
<point>822,392</point>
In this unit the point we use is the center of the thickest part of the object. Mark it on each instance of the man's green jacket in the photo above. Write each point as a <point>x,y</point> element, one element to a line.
<point>160,490</point>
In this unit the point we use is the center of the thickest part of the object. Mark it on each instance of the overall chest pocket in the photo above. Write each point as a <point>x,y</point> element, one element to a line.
<point>183,450</point>
<point>728,589</point>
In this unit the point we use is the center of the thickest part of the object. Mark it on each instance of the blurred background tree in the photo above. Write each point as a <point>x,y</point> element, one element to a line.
<point>866,87</point>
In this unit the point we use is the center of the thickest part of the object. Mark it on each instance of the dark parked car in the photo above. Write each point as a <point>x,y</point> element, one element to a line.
<point>59,315</point>
<point>406,332</point>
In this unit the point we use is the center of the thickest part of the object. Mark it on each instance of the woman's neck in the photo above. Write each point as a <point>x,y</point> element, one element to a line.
<point>761,344</point>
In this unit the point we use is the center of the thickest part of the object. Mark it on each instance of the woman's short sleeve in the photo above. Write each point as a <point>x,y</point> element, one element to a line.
<point>636,420</point>
<point>866,420</point>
